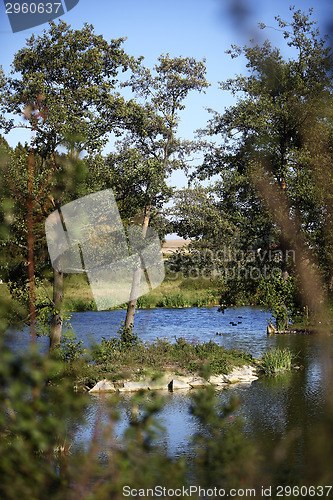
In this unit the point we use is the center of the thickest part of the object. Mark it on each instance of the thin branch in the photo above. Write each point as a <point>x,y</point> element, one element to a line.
<point>48,295</point>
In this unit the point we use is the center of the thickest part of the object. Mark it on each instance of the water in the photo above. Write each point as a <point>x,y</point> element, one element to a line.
<point>272,407</point>
<point>194,324</point>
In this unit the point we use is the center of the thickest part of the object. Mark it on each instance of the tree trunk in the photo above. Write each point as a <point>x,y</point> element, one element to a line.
<point>30,243</point>
<point>129,322</point>
<point>56,325</point>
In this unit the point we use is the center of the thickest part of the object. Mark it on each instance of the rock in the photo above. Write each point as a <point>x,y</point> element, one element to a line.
<point>172,382</point>
<point>157,386</point>
<point>103,386</point>
<point>160,383</point>
<point>178,384</point>
<point>198,382</point>
<point>244,373</point>
<point>182,381</point>
<point>216,380</point>
<point>134,386</point>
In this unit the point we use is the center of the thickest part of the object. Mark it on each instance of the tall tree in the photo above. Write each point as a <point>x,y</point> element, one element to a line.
<point>276,140</point>
<point>152,128</point>
<point>76,72</point>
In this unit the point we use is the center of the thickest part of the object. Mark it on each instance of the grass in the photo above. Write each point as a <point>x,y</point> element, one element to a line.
<point>276,360</point>
<point>186,292</point>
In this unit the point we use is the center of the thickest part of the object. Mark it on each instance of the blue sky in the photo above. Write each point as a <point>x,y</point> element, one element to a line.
<point>197,28</point>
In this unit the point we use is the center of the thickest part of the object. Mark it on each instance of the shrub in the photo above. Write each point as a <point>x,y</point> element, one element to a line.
<point>70,348</point>
<point>146,302</point>
<point>175,301</point>
<point>128,338</point>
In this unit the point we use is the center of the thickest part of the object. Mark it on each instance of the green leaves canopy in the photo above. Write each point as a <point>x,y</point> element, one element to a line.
<point>278,133</point>
<point>74,73</point>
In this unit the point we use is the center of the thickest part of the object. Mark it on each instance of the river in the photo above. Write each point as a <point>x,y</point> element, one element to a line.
<point>273,408</point>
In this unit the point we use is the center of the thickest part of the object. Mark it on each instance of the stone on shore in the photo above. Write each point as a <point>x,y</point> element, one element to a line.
<point>217,380</point>
<point>244,373</point>
<point>134,386</point>
<point>103,386</point>
<point>198,382</point>
<point>178,384</point>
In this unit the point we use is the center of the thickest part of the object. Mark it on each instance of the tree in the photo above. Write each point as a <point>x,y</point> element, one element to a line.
<point>152,129</point>
<point>76,72</point>
<point>73,75</point>
<point>276,138</point>
<point>29,185</point>
<point>196,214</point>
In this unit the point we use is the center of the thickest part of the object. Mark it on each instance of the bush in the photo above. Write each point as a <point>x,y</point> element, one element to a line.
<point>146,302</point>
<point>70,348</point>
<point>128,338</point>
<point>175,301</point>
<point>36,401</point>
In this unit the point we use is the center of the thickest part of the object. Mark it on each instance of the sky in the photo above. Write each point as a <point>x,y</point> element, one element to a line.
<point>196,28</point>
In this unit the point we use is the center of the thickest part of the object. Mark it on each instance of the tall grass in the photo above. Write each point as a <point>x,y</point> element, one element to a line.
<point>276,360</point>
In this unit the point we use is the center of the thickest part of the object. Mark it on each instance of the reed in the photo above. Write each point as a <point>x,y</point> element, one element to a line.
<point>276,360</point>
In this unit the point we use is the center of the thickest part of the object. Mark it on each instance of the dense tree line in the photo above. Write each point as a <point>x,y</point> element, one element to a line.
<point>271,154</point>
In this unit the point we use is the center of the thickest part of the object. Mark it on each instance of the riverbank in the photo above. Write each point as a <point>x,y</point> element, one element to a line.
<point>171,381</point>
<point>129,359</point>
<point>128,364</point>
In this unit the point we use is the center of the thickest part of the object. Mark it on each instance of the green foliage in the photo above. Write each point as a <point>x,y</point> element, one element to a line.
<point>196,214</point>
<point>138,180</point>
<point>128,339</point>
<point>37,457</point>
<point>70,348</point>
<point>276,360</point>
<point>76,72</point>
<point>114,355</point>
<point>282,122</point>
<point>63,84</point>
<point>79,304</point>
<point>275,154</point>
<point>146,302</point>
<point>176,301</point>
<point>281,296</point>
<point>36,401</point>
